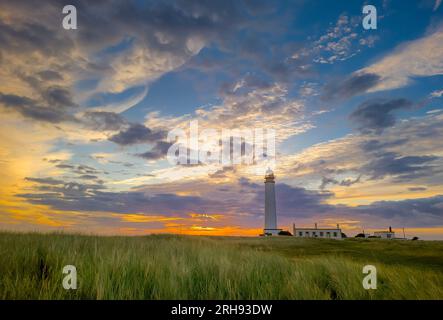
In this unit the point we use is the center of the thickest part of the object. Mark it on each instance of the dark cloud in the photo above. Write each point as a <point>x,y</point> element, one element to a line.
<point>247,185</point>
<point>100,120</point>
<point>401,167</point>
<point>84,169</point>
<point>29,108</point>
<point>296,201</point>
<point>158,151</point>
<point>88,177</point>
<point>52,160</point>
<point>89,197</point>
<point>14,101</point>
<point>49,75</point>
<point>126,164</point>
<point>32,37</point>
<point>81,171</point>
<point>64,192</point>
<point>383,158</point>
<point>414,212</point>
<point>414,189</point>
<point>376,115</point>
<point>65,166</point>
<point>50,181</point>
<point>221,173</point>
<point>58,97</point>
<point>343,183</point>
<point>355,84</point>
<point>137,133</point>
<point>377,145</point>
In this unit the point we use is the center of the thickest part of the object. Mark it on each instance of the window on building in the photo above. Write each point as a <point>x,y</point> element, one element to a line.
<point>328,234</point>
<point>335,234</point>
<point>300,233</point>
<point>388,235</point>
<point>321,233</point>
<point>307,233</point>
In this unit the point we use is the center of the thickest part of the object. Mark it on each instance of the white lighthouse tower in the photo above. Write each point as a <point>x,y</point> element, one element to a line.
<point>270,209</point>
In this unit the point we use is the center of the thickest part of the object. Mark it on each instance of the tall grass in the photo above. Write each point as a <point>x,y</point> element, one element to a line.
<point>180,267</point>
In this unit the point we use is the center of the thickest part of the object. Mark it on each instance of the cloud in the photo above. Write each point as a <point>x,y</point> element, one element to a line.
<point>436,94</point>
<point>413,189</point>
<point>299,202</point>
<point>377,145</point>
<point>401,167</point>
<point>158,151</point>
<point>376,115</point>
<point>50,181</point>
<point>339,43</point>
<point>102,120</point>
<point>31,36</point>
<point>406,155</point>
<point>65,166</point>
<point>343,183</point>
<point>88,177</point>
<point>136,133</point>
<point>437,5</point>
<point>29,108</point>
<point>72,196</point>
<point>418,58</point>
<point>155,38</point>
<point>356,84</point>
<point>120,47</point>
<point>122,106</point>
<point>293,202</point>
<point>423,212</point>
<point>49,75</point>
<point>263,106</point>
<point>58,97</point>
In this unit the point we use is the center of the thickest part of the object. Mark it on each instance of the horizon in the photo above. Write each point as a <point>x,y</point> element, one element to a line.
<point>88,113</point>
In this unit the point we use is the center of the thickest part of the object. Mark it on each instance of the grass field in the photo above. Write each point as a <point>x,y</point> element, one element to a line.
<point>184,267</point>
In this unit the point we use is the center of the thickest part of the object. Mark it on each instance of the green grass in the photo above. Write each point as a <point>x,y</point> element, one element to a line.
<point>184,267</point>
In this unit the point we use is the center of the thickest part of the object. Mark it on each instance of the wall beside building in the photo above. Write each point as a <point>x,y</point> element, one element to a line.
<point>384,234</point>
<point>317,233</point>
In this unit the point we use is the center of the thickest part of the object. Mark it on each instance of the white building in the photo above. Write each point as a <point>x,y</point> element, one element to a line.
<point>385,234</point>
<point>326,233</point>
<point>270,208</point>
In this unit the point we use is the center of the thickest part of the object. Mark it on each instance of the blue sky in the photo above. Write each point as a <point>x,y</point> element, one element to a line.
<point>86,113</point>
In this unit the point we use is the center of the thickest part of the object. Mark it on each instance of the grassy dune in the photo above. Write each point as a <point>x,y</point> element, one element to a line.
<point>181,267</point>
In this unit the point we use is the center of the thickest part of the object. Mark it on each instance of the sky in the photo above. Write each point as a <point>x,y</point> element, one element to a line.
<point>86,112</point>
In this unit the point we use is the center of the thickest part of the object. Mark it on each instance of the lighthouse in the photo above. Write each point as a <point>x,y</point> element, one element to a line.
<point>270,209</point>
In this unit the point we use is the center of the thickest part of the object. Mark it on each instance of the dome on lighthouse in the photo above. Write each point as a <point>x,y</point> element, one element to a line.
<point>269,175</point>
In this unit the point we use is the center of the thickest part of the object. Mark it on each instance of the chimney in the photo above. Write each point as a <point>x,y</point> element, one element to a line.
<point>316,225</point>
<point>338,226</point>
<point>390,229</point>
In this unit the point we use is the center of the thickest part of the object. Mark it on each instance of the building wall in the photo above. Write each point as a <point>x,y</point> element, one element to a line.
<point>317,233</point>
<point>385,235</point>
